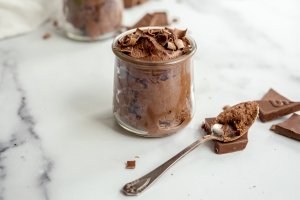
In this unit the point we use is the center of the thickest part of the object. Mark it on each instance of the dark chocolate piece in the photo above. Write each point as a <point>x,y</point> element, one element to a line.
<point>46,36</point>
<point>274,105</point>
<point>289,128</point>
<point>132,3</point>
<point>130,164</point>
<point>225,147</point>
<point>153,19</point>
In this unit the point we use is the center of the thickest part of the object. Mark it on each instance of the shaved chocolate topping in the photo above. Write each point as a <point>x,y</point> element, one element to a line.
<point>155,44</point>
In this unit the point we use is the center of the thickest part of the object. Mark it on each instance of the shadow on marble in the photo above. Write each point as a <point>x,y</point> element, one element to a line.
<point>107,119</point>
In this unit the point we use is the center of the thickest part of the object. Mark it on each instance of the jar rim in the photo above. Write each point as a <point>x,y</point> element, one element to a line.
<point>142,62</point>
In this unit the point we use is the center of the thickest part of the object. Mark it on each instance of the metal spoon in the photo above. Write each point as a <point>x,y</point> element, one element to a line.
<point>137,186</point>
<point>217,133</point>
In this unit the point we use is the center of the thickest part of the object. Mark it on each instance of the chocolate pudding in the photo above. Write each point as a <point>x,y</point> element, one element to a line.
<point>153,85</point>
<point>92,18</point>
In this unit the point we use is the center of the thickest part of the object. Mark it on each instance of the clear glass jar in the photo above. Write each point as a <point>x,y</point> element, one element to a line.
<point>153,98</point>
<point>89,20</point>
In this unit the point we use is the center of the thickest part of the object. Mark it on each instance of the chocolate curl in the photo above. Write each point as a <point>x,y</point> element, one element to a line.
<point>130,41</point>
<point>186,49</point>
<point>179,43</point>
<point>154,32</point>
<point>126,50</point>
<point>168,30</point>
<point>162,39</point>
<point>171,46</point>
<point>139,32</point>
<point>179,33</point>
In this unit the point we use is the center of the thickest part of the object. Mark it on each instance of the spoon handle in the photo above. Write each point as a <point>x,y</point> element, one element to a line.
<point>139,185</point>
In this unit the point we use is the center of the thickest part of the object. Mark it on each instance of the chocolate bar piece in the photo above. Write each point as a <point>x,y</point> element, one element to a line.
<point>130,164</point>
<point>132,3</point>
<point>274,105</point>
<point>153,19</point>
<point>225,147</point>
<point>289,128</point>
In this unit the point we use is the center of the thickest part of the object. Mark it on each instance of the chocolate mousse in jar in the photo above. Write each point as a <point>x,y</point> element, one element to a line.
<point>89,20</point>
<point>153,80</point>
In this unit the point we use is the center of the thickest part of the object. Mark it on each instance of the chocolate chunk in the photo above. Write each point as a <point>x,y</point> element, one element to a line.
<point>225,147</point>
<point>153,19</point>
<point>130,164</point>
<point>274,105</point>
<point>289,128</point>
<point>132,3</point>
<point>46,36</point>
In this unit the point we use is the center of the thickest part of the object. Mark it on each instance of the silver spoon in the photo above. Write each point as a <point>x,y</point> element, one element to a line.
<point>137,186</point>
<point>217,133</point>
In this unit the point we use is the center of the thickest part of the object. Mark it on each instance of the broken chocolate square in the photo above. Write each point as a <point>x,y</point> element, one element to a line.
<point>289,128</point>
<point>225,147</point>
<point>132,3</point>
<point>153,19</point>
<point>274,105</point>
<point>130,164</point>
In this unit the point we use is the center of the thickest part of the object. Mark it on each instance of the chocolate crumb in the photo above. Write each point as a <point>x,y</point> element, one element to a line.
<point>130,164</point>
<point>175,20</point>
<point>55,23</point>
<point>46,36</point>
<point>226,107</point>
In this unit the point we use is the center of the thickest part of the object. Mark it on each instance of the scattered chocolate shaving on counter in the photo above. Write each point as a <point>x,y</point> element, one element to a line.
<point>289,128</point>
<point>175,20</point>
<point>46,36</point>
<point>225,147</point>
<point>152,19</point>
<point>55,23</point>
<point>132,3</point>
<point>273,105</point>
<point>130,164</point>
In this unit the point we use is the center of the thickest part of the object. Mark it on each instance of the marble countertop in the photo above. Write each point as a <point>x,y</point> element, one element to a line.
<point>59,141</point>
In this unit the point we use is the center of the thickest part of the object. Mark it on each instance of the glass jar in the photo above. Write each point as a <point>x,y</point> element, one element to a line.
<point>153,98</point>
<point>88,20</point>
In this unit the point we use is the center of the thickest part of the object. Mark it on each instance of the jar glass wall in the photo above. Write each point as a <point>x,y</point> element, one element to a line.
<point>153,98</point>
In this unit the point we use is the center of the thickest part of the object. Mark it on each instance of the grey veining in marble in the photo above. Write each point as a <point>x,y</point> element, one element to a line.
<point>22,137</point>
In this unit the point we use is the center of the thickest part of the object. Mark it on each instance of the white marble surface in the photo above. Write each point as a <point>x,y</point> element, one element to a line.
<point>58,139</point>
